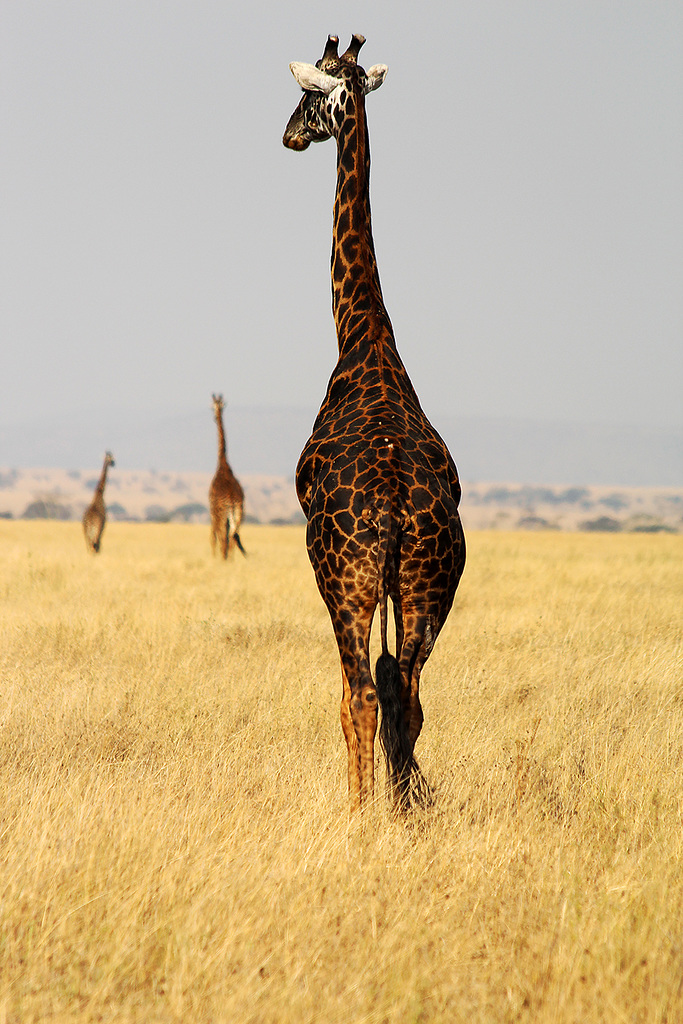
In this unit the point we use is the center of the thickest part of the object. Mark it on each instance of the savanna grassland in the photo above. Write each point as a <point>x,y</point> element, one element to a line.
<point>174,839</point>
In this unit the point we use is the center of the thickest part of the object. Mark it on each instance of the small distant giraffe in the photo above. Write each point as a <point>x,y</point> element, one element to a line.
<point>95,516</point>
<point>226,497</point>
<point>377,484</point>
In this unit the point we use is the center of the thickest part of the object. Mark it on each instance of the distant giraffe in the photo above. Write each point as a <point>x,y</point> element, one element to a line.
<point>226,497</point>
<point>95,516</point>
<point>376,483</point>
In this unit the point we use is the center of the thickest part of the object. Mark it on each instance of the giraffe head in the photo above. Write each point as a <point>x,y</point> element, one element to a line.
<point>330,87</point>
<point>109,459</point>
<point>218,404</point>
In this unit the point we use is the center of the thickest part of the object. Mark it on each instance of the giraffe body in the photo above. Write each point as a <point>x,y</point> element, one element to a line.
<point>226,497</point>
<point>377,484</point>
<point>95,516</point>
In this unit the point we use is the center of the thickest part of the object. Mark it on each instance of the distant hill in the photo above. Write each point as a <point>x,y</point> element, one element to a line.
<point>151,496</point>
<point>268,441</point>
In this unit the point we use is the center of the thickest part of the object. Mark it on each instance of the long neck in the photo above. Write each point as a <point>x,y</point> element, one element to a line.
<point>103,478</point>
<point>357,301</point>
<point>222,449</point>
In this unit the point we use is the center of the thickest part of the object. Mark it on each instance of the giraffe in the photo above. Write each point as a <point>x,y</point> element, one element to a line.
<point>226,497</point>
<point>95,516</point>
<point>376,483</point>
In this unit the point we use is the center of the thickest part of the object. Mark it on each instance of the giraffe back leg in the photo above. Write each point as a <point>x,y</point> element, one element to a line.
<point>416,635</point>
<point>224,533</point>
<point>422,598</point>
<point>217,526</point>
<point>233,526</point>
<point>353,751</point>
<point>358,704</point>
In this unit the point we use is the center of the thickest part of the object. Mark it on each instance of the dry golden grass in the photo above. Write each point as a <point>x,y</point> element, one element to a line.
<point>175,844</point>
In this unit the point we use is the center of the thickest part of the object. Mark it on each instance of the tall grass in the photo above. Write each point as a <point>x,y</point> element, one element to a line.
<point>174,836</point>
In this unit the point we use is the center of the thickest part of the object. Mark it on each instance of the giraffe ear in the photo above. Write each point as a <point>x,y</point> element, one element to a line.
<point>375,76</point>
<point>312,78</point>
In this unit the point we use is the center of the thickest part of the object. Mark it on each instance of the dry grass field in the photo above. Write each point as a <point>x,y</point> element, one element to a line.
<point>174,840</point>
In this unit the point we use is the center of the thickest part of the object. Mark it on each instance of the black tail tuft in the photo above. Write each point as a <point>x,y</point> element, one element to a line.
<point>393,734</point>
<point>406,782</point>
<point>239,543</point>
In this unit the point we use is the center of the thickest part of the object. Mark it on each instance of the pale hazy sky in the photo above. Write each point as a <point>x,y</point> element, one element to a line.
<point>159,243</point>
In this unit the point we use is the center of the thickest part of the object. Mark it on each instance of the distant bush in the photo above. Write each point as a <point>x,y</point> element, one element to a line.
<point>535,523</point>
<point>498,496</point>
<point>46,508</point>
<point>572,495</point>
<point>538,495</point>
<point>157,514</point>
<point>614,501</point>
<point>527,496</point>
<point>192,512</point>
<point>653,528</point>
<point>603,524</point>
<point>117,511</point>
<point>644,523</point>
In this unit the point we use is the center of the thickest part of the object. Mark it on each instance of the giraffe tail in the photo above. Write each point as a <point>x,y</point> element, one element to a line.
<point>407,785</point>
<point>232,527</point>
